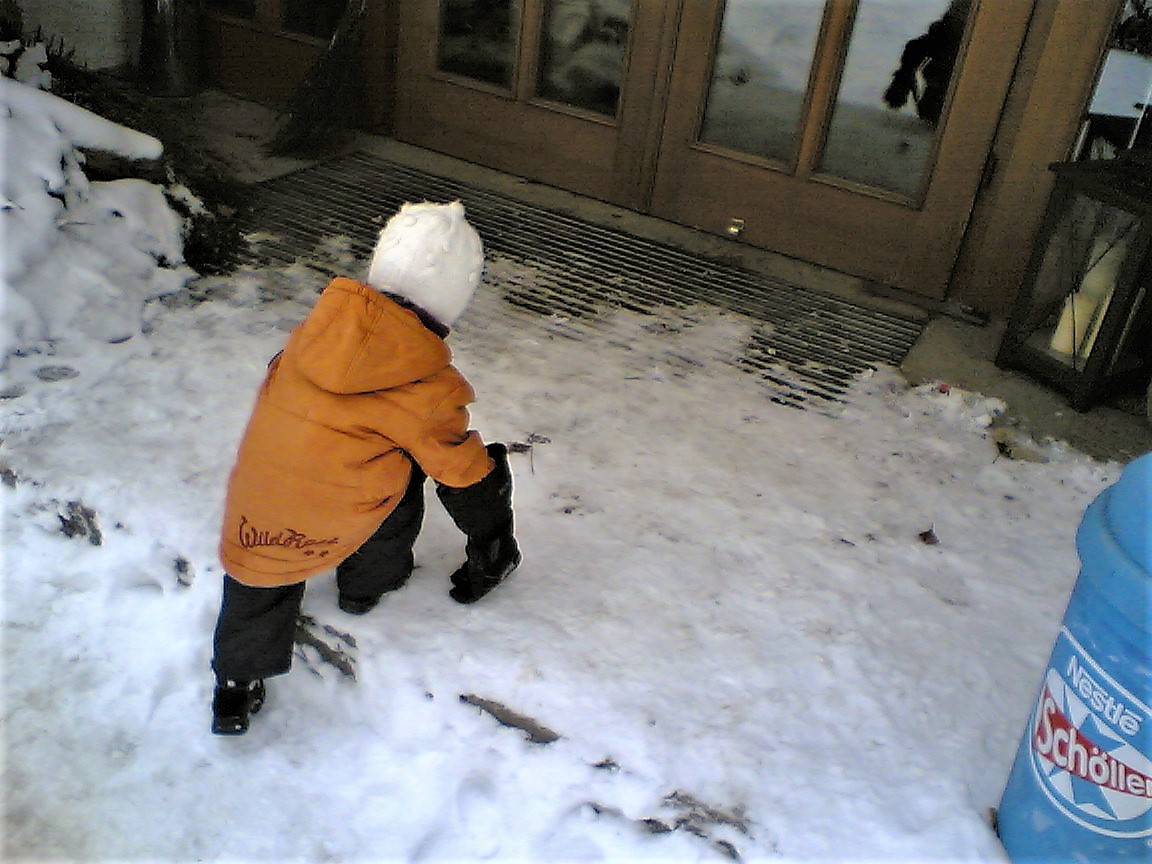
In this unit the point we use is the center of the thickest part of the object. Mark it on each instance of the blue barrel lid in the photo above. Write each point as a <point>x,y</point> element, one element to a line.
<point>1129,509</point>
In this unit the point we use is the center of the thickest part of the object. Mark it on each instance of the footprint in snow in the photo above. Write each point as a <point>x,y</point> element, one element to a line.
<point>472,830</point>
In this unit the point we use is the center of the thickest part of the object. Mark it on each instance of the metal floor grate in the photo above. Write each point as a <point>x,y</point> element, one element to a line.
<point>806,345</point>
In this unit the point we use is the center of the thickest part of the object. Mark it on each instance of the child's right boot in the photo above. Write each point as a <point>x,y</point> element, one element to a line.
<point>233,703</point>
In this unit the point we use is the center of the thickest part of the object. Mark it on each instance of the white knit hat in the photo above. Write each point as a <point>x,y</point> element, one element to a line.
<point>429,255</point>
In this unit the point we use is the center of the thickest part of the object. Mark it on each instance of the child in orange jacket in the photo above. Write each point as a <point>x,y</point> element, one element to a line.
<point>358,409</point>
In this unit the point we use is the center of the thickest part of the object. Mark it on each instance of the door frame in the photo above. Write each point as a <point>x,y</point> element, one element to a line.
<point>1056,74</point>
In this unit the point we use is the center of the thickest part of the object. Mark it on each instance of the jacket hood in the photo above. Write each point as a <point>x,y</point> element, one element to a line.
<point>356,340</point>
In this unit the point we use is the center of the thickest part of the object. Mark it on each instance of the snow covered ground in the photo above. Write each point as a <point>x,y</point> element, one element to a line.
<point>751,631</point>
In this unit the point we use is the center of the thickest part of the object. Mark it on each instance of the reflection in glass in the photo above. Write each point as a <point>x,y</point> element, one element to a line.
<point>582,52</point>
<point>312,17</point>
<point>897,75</point>
<point>760,76</point>
<point>478,39</point>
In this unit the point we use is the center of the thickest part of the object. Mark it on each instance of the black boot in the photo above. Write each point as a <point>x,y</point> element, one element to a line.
<point>233,703</point>
<point>483,511</point>
<point>353,606</point>
<point>488,563</point>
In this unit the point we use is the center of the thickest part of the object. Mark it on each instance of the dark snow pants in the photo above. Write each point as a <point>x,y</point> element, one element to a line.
<point>256,627</point>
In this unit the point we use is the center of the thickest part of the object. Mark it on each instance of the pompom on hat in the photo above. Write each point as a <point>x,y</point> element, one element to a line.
<point>429,255</point>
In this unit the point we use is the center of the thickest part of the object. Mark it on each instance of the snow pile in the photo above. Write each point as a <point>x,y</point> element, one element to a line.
<point>78,257</point>
<point>25,63</point>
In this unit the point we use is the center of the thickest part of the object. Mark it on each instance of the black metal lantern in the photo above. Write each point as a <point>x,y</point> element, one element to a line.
<point>1082,320</point>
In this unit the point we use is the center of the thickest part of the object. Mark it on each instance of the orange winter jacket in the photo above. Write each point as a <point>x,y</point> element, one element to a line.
<point>361,387</point>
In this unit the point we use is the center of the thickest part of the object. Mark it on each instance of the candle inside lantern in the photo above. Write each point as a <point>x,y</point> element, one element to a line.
<point>1084,309</point>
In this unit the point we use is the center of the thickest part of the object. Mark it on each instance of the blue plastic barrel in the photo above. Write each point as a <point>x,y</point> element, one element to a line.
<point>1081,786</point>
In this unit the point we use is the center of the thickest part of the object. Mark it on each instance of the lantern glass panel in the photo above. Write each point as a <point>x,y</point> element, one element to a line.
<point>1082,267</point>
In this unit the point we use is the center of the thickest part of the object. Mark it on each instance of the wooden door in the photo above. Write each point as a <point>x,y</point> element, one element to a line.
<point>781,134</point>
<point>762,120</point>
<point>559,92</point>
<point>264,48</point>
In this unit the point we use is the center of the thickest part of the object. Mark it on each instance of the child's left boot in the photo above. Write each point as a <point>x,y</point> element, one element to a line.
<point>233,703</point>
<point>483,511</point>
<point>489,563</point>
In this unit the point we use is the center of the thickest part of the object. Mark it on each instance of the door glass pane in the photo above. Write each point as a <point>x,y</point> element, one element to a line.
<point>478,39</point>
<point>312,17</point>
<point>582,52</point>
<point>898,72</point>
<point>760,75</point>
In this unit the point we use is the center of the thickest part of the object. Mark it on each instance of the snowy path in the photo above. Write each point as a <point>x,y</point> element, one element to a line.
<point>726,613</point>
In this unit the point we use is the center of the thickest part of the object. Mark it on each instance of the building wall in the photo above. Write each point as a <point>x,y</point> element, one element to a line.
<point>104,33</point>
<point>1056,74</point>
